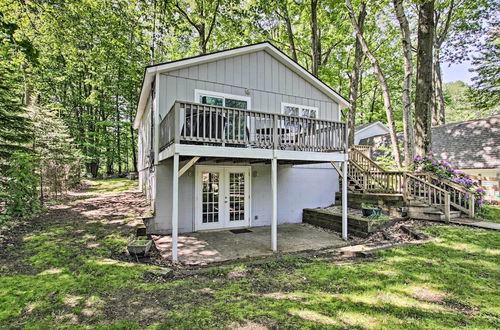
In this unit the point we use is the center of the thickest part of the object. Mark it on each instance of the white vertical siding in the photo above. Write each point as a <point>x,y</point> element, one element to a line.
<point>269,81</point>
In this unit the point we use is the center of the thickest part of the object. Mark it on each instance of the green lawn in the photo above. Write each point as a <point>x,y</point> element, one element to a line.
<point>111,185</point>
<point>491,213</point>
<point>64,273</point>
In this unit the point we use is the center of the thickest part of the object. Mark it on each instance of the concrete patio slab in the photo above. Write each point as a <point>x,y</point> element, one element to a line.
<point>202,248</point>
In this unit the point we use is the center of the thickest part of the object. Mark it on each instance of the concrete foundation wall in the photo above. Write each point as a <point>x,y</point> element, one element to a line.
<point>298,188</point>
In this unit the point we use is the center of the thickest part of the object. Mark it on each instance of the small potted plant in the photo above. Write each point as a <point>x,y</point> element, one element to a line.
<point>370,210</point>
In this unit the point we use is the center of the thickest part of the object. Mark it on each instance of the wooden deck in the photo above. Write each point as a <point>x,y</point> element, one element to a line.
<point>200,124</point>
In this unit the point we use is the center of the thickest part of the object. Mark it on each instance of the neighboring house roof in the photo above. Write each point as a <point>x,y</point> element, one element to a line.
<point>152,70</point>
<point>363,127</point>
<point>472,144</point>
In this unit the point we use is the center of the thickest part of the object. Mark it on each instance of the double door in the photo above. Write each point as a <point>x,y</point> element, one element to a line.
<point>222,197</point>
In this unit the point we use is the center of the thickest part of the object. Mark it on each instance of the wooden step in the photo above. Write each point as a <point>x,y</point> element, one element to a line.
<point>453,214</point>
<point>430,213</point>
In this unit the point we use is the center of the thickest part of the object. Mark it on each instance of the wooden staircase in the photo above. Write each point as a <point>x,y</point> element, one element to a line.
<point>427,196</point>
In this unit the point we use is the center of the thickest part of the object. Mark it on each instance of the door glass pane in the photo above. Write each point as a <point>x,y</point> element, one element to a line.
<point>237,196</point>
<point>210,200</point>
<point>236,125</point>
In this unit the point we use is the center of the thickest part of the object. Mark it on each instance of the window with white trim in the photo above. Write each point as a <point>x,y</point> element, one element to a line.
<point>299,110</point>
<point>228,101</point>
<point>222,99</point>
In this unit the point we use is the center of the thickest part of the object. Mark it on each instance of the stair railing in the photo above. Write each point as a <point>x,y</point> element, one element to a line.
<point>440,192</point>
<point>363,161</point>
<point>424,191</point>
<point>365,149</point>
<point>460,198</point>
<point>390,182</point>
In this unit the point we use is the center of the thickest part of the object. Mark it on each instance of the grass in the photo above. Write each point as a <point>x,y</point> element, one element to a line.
<point>111,186</point>
<point>491,213</point>
<point>65,274</point>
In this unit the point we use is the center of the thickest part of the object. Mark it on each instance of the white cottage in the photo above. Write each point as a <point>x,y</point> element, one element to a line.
<point>236,139</point>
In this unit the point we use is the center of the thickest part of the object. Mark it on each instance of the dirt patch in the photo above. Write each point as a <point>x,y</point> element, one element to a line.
<point>395,233</point>
<point>426,294</point>
<point>237,274</point>
<point>283,296</point>
<point>70,224</point>
<point>247,326</point>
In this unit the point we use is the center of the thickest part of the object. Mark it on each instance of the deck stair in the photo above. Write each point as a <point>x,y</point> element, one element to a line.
<point>427,197</point>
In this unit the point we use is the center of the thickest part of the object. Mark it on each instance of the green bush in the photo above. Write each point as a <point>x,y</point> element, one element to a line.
<point>20,187</point>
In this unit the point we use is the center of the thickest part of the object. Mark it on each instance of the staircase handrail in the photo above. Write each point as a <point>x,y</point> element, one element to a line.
<point>371,163</point>
<point>466,204</point>
<point>424,182</point>
<point>450,194</point>
<point>428,197</point>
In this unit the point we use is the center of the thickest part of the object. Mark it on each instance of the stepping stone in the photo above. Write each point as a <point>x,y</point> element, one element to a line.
<point>162,272</point>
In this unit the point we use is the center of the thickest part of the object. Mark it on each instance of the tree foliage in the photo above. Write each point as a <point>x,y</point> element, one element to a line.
<point>83,60</point>
<point>20,186</point>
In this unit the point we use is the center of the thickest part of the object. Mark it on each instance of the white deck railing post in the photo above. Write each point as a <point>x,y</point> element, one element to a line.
<point>344,200</point>
<point>175,205</point>
<point>274,187</point>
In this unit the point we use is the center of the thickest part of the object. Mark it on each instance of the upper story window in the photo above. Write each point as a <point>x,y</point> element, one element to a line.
<point>299,110</point>
<point>222,99</point>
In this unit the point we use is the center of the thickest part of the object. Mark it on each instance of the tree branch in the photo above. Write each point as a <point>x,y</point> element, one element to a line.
<point>440,38</point>
<point>187,17</point>
<point>212,24</point>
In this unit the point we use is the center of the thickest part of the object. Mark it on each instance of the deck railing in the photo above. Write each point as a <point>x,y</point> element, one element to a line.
<point>194,123</point>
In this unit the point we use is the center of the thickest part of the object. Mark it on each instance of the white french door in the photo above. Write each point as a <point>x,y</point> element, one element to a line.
<point>222,197</point>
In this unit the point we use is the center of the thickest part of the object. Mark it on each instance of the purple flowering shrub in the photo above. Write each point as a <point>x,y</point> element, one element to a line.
<point>443,169</point>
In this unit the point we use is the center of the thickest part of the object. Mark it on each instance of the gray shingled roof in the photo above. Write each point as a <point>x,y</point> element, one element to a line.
<point>468,144</point>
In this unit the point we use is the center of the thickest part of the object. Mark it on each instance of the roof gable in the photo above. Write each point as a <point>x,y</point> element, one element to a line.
<point>363,127</point>
<point>152,71</point>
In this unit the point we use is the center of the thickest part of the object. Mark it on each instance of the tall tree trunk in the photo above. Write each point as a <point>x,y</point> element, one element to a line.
<point>438,114</point>
<point>355,78</point>
<point>386,95</point>
<point>201,28</point>
<point>424,95</point>
<point>289,31</point>
<point>408,134</point>
<point>118,130</point>
<point>315,39</point>
<point>439,36</point>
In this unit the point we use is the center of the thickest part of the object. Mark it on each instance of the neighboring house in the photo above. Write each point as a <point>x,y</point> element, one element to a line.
<point>369,130</point>
<point>222,135</point>
<point>472,146</point>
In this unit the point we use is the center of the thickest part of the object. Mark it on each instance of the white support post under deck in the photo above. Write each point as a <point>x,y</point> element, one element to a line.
<point>175,205</point>
<point>274,221</point>
<point>344,200</point>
